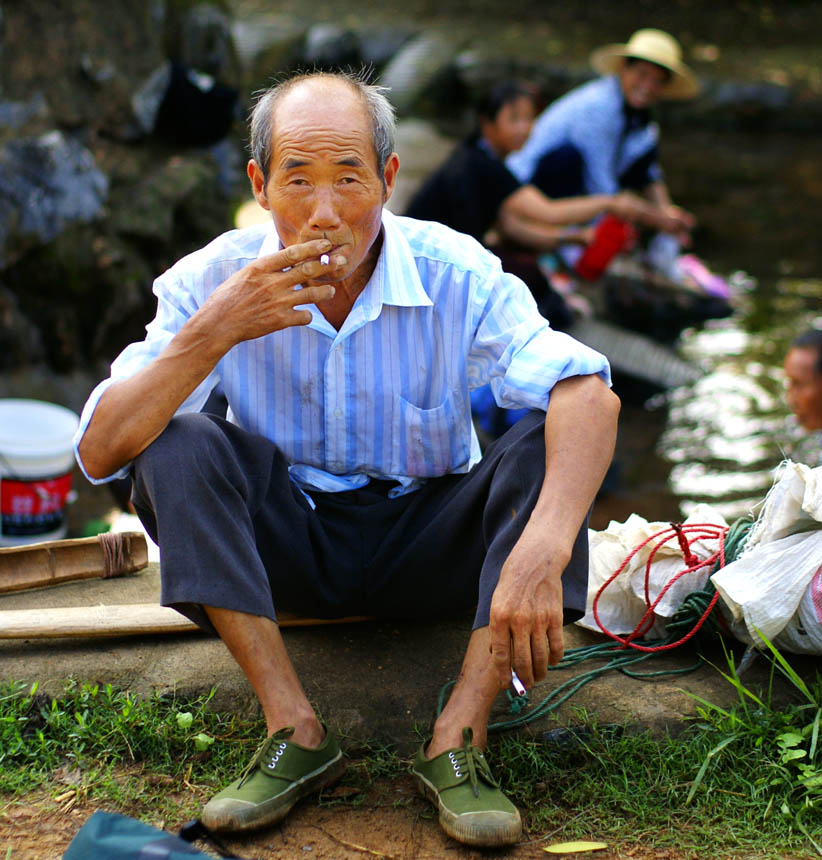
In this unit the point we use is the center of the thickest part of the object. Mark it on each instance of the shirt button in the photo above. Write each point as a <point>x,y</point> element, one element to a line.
<point>338,413</point>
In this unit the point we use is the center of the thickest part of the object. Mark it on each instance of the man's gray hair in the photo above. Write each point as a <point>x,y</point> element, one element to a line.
<point>374,98</point>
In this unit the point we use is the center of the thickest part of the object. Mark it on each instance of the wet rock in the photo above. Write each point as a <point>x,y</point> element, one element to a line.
<point>378,46</point>
<point>184,106</point>
<point>267,45</point>
<point>148,209</point>
<point>329,46</point>
<point>15,116</point>
<point>20,342</point>
<point>422,76</point>
<point>47,183</point>
<point>86,57</point>
<point>84,292</point>
<point>149,96</point>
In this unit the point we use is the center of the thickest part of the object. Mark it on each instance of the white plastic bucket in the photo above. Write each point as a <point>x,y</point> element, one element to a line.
<point>36,462</point>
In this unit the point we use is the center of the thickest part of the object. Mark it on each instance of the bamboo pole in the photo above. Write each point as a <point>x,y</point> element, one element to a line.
<point>128,619</point>
<point>48,563</point>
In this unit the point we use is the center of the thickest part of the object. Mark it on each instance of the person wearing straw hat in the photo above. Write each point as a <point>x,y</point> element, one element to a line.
<point>599,137</point>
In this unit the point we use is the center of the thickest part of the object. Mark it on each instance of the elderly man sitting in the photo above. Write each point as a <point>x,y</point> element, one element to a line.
<point>347,477</point>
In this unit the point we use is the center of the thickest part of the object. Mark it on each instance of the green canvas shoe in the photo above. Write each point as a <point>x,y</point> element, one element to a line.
<point>280,773</point>
<point>472,809</point>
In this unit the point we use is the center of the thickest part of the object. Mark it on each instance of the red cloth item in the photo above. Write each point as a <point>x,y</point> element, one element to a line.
<point>612,236</point>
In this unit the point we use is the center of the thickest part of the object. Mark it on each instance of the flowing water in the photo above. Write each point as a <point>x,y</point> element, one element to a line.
<point>719,439</point>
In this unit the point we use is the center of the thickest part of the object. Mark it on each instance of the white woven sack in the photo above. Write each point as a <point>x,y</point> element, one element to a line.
<point>770,587</point>
<point>803,633</point>
<point>622,604</point>
<point>764,587</point>
<point>793,504</point>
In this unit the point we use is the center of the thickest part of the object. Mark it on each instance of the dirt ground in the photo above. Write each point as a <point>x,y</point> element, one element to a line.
<point>391,822</point>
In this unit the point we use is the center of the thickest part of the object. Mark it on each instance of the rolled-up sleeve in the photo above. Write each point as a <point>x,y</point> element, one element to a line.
<point>517,351</point>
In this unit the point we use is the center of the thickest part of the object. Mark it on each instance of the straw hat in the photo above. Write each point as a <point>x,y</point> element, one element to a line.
<point>654,46</point>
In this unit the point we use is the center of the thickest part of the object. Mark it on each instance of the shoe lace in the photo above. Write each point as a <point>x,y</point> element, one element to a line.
<point>470,758</point>
<point>264,751</point>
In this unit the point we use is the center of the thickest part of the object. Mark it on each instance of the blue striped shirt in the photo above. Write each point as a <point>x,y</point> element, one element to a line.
<point>388,394</point>
<point>592,119</point>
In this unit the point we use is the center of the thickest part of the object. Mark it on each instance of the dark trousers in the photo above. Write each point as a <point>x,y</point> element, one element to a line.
<point>235,532</point>
<point>560,172</point>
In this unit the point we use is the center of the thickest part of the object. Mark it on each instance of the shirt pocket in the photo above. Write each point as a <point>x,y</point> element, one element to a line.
<point>432,442</point>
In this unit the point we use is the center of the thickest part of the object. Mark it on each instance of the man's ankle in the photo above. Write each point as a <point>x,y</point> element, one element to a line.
<point>448,738</point>
<point>308,732</point>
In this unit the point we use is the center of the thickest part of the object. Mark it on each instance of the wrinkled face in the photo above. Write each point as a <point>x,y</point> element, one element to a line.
<point>323,179</point>
<point>509,131</point>
<point>804,386</point>
<point>642,83</point>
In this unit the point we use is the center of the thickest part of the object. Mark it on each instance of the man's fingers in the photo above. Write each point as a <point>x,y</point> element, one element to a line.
<point>523,660</point>
<point>500,646</point>
<point>315,295</point>
<point>539,656</point>
<point>295,254</point>
<point>325,265</point>
<point>556,644</point>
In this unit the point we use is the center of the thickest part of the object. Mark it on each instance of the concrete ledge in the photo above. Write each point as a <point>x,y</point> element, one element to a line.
<point>372,681</point>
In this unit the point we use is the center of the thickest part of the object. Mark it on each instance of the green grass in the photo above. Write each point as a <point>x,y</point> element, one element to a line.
<point>97,738</point>
<point>740,782</point>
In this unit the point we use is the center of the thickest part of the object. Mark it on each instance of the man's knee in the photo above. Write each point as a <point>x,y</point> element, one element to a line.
<point>183,452</point>
<point>184,436</point>
<point>524,440</point>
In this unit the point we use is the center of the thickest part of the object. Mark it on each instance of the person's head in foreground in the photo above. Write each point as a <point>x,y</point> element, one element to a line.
<point>649,67</point>
<point>803,375</point>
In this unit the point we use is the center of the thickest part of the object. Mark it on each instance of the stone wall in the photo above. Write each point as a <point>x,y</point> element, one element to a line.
<point>122,134</point>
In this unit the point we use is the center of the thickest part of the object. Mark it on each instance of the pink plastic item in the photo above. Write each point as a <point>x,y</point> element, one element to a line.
<point>712,284</point>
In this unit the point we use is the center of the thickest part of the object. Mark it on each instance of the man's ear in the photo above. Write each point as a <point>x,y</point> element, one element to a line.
<point>392,165</point>
<point>257,183</point>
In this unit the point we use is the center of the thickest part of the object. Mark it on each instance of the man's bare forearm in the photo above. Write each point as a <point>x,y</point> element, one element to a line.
<point>580,434</point>
<point>133,412</point>
<point>526,611</point>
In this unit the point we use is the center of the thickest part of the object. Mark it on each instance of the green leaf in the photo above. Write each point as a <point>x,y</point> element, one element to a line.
<point>203,741</point>
<point>785,667</point>
<point>791,755</point>
<point>815,734</point>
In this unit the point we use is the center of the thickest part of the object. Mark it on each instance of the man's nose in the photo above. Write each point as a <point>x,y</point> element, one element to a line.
<point>324,210</point>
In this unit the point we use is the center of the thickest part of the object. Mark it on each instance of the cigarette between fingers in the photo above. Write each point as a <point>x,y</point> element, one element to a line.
<point>324,259</point>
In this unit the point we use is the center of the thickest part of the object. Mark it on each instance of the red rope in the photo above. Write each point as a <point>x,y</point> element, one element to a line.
<point>697,531</point>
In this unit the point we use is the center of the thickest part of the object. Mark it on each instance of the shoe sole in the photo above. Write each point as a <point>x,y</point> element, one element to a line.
<point>497,828</point>
<point>274,810</point>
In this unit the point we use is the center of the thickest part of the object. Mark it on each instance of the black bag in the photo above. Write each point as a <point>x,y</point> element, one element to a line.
<point>109,836</point>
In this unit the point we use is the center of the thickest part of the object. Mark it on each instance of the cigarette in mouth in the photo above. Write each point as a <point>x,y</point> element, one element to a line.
<point>324,260</point>
<point>518,686</point>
